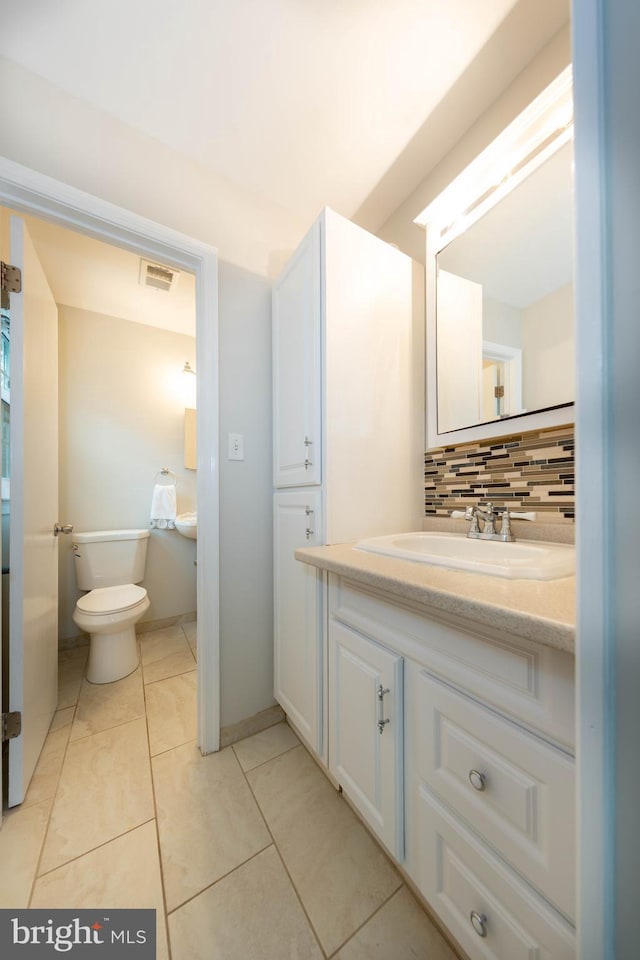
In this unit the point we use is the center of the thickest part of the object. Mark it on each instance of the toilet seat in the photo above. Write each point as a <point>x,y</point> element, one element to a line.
<point>105,600</point>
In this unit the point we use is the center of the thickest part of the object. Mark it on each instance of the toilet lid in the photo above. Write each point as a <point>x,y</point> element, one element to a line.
<point>112,599</point>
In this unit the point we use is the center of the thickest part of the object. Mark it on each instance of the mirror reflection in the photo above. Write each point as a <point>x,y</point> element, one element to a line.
<point>504,305</point>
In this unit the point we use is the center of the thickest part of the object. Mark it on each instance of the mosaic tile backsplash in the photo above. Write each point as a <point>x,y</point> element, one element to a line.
<point>526,471</point>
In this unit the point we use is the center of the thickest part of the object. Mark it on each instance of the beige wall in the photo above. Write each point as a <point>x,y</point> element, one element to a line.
<point>121,419</point>
<point>501,323</point>
<point>246,509</point>
<point>548,350</point>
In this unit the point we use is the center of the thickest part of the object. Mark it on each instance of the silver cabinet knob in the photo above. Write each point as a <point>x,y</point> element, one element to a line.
<point>477,779</point>
<point>479,923</point>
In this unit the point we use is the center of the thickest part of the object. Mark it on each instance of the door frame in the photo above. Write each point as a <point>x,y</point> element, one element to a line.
<point>27,191</point>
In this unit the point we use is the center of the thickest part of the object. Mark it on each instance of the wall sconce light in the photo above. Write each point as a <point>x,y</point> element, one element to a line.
<point>189,393</point>
<point>189,386</point>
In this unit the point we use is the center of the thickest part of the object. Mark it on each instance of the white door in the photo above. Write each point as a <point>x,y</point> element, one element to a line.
<point>297,615</point>
<point>296,367</point>
<point>366,730</point>
<point>33,596</point>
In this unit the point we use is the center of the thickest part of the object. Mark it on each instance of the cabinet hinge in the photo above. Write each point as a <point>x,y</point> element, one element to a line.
<point>10,278</point>
<point>11,725</point>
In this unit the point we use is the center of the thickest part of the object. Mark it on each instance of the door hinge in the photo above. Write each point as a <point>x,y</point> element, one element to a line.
<point>498,392</point>
<point>10,278</point>
<point>11,725</point>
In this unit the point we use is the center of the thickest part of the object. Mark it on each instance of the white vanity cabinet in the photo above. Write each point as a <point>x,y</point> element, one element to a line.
<point>482,772</point>
<point>365,730</point>
<point>298,654</point>
<point>348,422</point>
<point>297,394</point>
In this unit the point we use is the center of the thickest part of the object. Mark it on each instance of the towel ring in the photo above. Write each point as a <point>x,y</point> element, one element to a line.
<point>162,475</point>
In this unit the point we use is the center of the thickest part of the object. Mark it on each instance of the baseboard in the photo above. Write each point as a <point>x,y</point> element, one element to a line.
<point>145,626</point>
<point>255,724</point>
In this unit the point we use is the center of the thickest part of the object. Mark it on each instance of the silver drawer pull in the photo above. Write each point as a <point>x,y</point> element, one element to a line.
<point>478,780</point>
<point>382,722</point>
<point>479,923</point>
<point>309,532</point>
<point>307,462</point>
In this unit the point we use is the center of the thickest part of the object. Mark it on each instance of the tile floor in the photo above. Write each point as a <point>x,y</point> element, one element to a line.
<point>247,854</point>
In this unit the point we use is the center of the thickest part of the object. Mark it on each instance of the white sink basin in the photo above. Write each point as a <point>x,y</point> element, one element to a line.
<point>187,525</point>
<point>523,560</point>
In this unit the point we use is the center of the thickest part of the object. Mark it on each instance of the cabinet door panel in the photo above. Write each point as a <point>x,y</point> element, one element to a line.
<point>298,674</point>
<point>366,729</point>
<point>516,790</point>
<point>490,912</point>
<point>296,368</point>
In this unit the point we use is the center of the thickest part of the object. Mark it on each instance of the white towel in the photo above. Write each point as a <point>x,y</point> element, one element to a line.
<point>163,506</point>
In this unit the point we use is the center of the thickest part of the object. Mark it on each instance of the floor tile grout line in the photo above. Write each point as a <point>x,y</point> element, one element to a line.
<point>218,880</point>
<point>262,762</point>
<point>115,726</point>
<point>175,746</point>
<point>229,872</point>
<point>36,874</point>
<point>159,659</point>
<point>245,774</point>
<point>157,828</point>
<point>170,676</point>
<point>52,799</point>
<point>188,644</point>
<point>98,846</point>
<point>193,740</point>
<point>377,909</point>
<point>368,920</point>
<point>282,860</point>
<point>162,680</point>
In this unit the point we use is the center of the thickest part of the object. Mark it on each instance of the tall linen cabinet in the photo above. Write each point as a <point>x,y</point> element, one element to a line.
<point>348,415</point>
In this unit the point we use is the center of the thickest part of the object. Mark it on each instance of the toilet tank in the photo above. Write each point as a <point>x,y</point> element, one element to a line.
<point>109,558</point>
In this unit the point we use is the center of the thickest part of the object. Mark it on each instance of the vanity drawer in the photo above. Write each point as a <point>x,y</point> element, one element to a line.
<point>491,912</point>
<point>517,791</point>
<point>531,682</point>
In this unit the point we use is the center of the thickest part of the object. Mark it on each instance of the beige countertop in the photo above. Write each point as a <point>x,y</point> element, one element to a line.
<point>543,611</point>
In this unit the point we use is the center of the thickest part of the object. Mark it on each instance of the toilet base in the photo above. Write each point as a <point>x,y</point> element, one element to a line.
<point>112,656</point>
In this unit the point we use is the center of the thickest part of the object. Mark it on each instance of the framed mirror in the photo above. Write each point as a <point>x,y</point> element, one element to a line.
<point>500,315</point>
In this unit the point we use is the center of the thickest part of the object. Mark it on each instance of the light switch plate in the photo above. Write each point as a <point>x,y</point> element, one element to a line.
<point>236,446</point>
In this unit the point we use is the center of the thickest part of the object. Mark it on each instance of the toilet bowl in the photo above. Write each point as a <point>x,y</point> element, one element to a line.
<point>109,616</point>
<point>110,564</point>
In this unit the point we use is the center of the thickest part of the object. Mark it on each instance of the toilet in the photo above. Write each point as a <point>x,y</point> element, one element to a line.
<point>110,564</point>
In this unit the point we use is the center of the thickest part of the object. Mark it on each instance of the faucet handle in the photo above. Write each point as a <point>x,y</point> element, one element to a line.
<point>471,513</point>
<point>505,527</point>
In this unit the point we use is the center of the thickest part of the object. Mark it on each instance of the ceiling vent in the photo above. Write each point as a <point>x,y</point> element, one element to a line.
<point>157,276</point>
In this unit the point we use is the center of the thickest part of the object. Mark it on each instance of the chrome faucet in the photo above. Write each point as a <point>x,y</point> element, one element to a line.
<point>488,515</point>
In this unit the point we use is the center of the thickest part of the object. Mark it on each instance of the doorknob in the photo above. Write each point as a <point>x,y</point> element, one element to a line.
<point>62,528</point>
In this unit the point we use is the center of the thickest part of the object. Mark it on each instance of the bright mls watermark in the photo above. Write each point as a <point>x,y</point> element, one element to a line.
<point>78,933</point>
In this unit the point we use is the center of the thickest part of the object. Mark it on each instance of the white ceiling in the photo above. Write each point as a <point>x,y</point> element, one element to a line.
<point>301,103</point>
<point>101,278</point>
